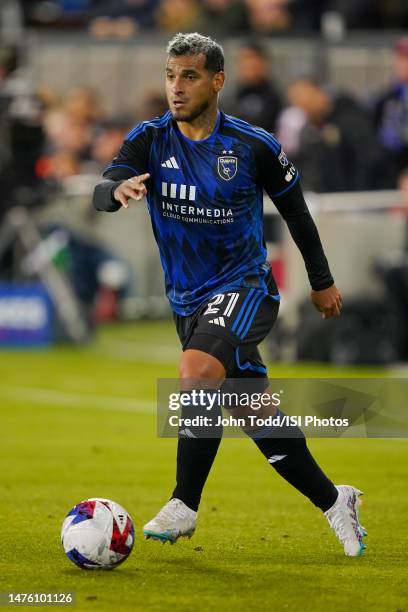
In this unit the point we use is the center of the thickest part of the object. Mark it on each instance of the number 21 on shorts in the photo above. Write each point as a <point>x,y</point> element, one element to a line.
<point>214,307</point>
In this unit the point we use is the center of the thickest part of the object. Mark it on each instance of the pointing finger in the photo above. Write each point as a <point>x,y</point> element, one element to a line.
<point>123,200</point>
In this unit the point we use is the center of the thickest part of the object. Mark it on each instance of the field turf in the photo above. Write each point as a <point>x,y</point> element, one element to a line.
<point>79,423</point>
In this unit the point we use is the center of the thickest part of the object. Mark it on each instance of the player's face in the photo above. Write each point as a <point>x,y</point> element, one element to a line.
<point>190,88</point>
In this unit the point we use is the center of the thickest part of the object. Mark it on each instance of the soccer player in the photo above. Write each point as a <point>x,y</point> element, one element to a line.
<point>203,173</point>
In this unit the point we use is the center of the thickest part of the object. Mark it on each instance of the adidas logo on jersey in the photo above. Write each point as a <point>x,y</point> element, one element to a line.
<point>218,321</point>
<point>171,163</point>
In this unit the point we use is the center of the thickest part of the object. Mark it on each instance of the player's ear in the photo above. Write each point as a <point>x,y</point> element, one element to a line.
<point>218,81</point>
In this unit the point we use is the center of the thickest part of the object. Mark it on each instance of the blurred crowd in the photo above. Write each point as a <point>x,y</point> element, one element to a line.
<point>125,18</point>
<point>338,142</point>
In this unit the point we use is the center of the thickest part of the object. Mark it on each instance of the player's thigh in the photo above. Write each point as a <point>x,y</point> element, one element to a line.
<point>201,365</point>
<point>231,325</point>
<point>199,360</point>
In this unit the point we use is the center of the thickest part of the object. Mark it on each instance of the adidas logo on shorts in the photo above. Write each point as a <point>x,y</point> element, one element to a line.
<point>218,321</point>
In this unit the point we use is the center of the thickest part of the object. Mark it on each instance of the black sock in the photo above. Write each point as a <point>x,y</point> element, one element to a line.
<point>292,459</point>
<point>195,456</point>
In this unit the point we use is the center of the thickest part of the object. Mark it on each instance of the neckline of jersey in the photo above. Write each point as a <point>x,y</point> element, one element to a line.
<point>209,137</point>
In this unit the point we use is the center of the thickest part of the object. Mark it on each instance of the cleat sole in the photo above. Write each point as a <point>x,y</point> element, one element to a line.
<point>161,537</point>
<point>166,537</point>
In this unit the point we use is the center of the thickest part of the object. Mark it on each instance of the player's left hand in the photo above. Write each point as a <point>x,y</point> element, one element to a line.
<point>327,301</point>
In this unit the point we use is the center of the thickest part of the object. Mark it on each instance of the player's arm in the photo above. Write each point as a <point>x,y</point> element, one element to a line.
<point>125,177</point>
<point>281,181</point>
<point>294,210</point>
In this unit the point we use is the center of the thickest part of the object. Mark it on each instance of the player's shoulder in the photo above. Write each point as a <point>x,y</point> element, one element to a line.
<point>257,137</point>
<point>150,128</point>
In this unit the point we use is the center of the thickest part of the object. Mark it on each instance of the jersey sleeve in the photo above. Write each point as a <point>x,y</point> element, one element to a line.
<point>274,170</point>
<point>133,157</point>
<point>280,179</point>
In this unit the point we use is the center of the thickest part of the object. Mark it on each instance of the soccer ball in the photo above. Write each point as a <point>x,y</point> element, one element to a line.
<point>97,533</point>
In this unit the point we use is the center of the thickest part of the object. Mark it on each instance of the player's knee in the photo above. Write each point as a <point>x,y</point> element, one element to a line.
<point>198,365</point>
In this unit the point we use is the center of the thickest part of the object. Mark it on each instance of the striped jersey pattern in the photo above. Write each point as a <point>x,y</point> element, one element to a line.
<point>205,200</point>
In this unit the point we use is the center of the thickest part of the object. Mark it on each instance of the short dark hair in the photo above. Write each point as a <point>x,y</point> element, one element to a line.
<point>194,43</point>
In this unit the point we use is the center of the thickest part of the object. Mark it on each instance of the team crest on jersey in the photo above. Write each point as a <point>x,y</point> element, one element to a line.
<point>227,166</point>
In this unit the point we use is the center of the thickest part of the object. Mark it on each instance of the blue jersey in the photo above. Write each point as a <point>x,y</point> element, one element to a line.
<point>205,200</point>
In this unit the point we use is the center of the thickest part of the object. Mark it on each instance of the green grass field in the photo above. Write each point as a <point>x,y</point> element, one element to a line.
<point>79,423</point>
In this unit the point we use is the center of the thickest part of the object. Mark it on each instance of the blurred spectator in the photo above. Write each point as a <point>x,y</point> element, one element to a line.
<point>392,268</point>
<point>63,164</point>
<point>401,207</point>
<point>289,128</point>
<point>106,27</point>
<point>70,129</point>
<point>179,15</point>
<point>83,105</point>
<point>363,14</point>
<point>64,135</point>
<point>107,143</point>
<point>61,13</point>
<point>11,21</point>
<point>369,14</point>
<point>403,187</point>
<point>256,98</point>
<point>224,16</point>
<point>154,104</point>
<point>269,16</point>
<point>391,112</point>
<point>338,150</point>
<point>307,14</point>
<point>122,18</point>
<point>21,135</point>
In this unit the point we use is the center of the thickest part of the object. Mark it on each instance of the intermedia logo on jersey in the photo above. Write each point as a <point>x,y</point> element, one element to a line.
<point>179,203</point>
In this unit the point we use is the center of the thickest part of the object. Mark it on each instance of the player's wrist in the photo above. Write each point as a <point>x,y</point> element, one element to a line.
<point>321,286</point>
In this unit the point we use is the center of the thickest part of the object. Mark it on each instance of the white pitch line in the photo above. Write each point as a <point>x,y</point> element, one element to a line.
<point>76,400</point>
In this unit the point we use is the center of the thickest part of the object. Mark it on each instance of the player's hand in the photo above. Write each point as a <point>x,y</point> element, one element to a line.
<point>327,301</point>
<point>134,188</point>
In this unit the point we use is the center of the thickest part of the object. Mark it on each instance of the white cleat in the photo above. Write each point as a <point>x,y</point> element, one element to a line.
<point>174,520</point>
<point>343,519</point>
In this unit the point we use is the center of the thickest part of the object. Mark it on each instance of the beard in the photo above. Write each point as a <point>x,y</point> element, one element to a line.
<point>189,116</point>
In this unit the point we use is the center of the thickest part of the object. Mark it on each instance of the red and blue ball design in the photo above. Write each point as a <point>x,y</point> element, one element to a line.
<point>97,534</point>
